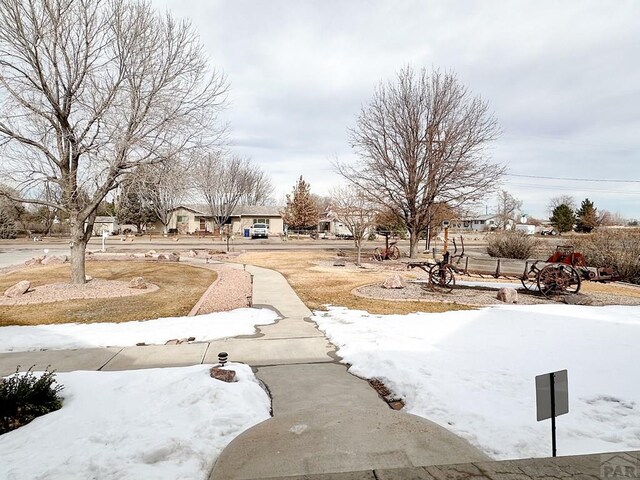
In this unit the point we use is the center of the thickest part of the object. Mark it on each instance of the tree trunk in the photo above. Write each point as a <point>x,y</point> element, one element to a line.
<point>359,249</point>
<point>413,243</point>
<point>78,249</point>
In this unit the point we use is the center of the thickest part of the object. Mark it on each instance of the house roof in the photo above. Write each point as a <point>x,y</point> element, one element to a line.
<point>104,220</point>
<point>489,216</point>
<point>241,210</point>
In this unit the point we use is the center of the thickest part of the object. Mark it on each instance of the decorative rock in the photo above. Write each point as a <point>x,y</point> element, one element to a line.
<point>394,281</point>
<point>577,299</point>
<point>163,258</point>
<point>150,253</point>
<point>54,260</point>
<point>138,282</point>
<point>88,278</point>
<point>218,373</point>
<point>34,261</point>
<point>174,255</point>
<point>341,253</point>
<point>193,253</point>
<point>339,263</point>
<point>18,289</point>
<point>507,295</point>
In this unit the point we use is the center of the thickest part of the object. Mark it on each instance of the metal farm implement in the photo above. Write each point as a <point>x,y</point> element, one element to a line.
<point>562,273</point>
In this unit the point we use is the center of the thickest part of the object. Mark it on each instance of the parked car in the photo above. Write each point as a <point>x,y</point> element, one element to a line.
<point>259,230</point>
<point>549,232</point>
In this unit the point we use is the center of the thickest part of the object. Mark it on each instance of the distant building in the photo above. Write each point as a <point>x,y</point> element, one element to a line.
<point>196,218</point>
<point>105,224</point>
<point>477,223</point>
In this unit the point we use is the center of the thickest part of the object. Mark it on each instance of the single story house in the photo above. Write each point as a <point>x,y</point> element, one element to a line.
<point>329,226</point>
<point>196,218</point>
<point>105,224</point>
<point>476,223</point>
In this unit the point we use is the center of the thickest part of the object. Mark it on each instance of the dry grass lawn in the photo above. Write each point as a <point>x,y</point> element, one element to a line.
<point>318,285</point>
<point>181,286</point>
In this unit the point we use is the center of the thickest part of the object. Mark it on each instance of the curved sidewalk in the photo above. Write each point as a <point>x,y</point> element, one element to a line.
<point>325,420</point>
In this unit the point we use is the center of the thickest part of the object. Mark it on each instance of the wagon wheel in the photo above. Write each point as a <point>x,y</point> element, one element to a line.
<point>558,278</point>
<point>394,253</point>
<point>377,255</point>
<point>530,281</point>
<point>442,279</point>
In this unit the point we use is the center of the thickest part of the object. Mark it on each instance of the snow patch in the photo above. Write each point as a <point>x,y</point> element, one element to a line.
<point>473,371</point>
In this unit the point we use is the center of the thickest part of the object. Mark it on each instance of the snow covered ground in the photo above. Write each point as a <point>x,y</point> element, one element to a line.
<point>163,424</point>
<point>211,326</point>
<point>473,371</point>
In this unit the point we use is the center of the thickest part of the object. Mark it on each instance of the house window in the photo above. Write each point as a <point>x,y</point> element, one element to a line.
<point>183,219</point>
<point>261,220</point>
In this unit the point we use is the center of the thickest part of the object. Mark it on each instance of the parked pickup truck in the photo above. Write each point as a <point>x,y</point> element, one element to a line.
<point>259,230</point>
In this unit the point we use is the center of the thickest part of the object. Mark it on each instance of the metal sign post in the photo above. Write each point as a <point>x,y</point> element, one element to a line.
<point>552,399</point>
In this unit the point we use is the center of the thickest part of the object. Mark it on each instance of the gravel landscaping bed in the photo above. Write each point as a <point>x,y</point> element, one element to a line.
<point>479,296</point>
<point>231,290</point>
<point>96,288</point>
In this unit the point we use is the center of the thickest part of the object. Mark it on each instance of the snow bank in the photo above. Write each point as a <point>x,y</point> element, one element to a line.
<point>211,326</point>
<point>473,371</point>
<point>163,424</point>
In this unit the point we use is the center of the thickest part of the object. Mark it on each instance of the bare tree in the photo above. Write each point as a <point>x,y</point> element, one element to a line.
<point>162,188</point>
<point>421,141</point>
<point>259,187</point>
<point>555,202</point>
<point>91,89</point>
<point>508,209</point>
<point>223,180</point>
<point>352,207</point>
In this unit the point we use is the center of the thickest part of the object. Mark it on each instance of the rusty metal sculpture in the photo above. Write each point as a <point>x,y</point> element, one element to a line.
<point>562,273</point>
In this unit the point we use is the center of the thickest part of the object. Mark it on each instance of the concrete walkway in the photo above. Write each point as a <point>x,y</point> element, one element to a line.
<point>325,420</point>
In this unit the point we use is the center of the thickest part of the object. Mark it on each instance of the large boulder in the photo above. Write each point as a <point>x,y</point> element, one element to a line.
<point>394,281</point>
<point>54,260</point>
<point>169,257</point>
<point>18,289</point>
<point>577,299</point>
<point>150,253</point>
<point>507,295</point>
<point>138,282</point>
<point>34,261</point>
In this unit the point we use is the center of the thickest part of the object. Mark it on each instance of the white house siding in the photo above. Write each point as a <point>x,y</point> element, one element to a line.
<point>239,224</point>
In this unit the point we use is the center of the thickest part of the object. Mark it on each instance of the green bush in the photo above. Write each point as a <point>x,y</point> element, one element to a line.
<point>613,248</point>
<point>511,245</point>
<point>25,396</point>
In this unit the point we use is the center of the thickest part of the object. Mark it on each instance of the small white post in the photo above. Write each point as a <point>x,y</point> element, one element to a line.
<point>104,240</point>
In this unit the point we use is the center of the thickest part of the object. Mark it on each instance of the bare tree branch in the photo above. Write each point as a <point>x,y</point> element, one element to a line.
<point>422,141</point>
<point>92,89</point>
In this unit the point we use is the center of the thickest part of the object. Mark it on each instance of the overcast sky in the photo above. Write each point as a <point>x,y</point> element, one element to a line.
<point>563,79</point>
